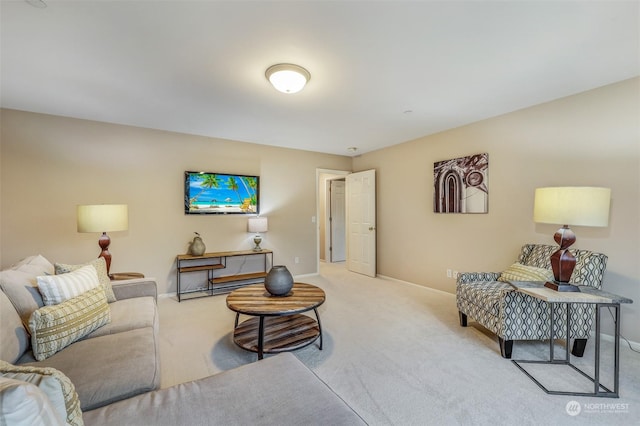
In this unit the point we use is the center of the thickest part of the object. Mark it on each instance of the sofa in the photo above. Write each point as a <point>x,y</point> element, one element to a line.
<point>492,300</point>
<point>110,374</point>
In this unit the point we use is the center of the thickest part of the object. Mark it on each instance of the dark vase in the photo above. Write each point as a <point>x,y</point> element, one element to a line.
<point>279,281</point>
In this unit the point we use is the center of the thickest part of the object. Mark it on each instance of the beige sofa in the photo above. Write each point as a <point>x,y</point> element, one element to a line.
<point>114,372</point>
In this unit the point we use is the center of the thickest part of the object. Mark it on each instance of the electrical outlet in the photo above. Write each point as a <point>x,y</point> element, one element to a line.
<point>296,259</point>
<point>455,275</point>
<point>448,273</point>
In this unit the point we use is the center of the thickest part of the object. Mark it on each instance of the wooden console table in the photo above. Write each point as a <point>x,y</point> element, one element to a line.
<point>211,262</point>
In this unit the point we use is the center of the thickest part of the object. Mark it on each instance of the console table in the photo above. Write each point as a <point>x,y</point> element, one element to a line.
<point>590,295</point>
<point>217,283</point>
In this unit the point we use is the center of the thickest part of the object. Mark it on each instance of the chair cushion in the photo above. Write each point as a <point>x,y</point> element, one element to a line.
<point>589,270</point>
<point>129,314</point>
<point>114,367</point>
<point>484,295</point>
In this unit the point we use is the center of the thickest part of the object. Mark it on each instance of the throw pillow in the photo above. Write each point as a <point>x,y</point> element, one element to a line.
<point>20,285</point>
<point>58,288</point>
<point>23,403</point>
<point>37,375</point>
<point>520,272</point>
<point>101,266</point>
<point>57,326</point>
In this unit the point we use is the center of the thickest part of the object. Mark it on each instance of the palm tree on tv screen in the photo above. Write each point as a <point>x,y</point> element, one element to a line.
<point>208,181</point>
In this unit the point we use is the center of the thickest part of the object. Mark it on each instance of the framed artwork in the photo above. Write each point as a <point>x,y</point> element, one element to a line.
<point>220,193</point>
<point>461,185</point>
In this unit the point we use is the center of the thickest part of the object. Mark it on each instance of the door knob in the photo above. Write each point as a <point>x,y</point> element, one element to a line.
<point>371,228</point>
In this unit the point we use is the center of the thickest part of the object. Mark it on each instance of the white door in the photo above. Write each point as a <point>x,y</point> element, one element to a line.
<point>361,222</point>
<point>337,221</point>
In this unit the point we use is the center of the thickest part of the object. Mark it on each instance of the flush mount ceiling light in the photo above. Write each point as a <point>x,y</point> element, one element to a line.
<point>287,78</point>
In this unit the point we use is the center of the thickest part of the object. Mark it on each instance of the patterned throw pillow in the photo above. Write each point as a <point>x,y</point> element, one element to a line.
<point>520,272</point>
<point>58,288</point>
<point>56,327</point>
<point>37,375</point>
<point>101,267</point>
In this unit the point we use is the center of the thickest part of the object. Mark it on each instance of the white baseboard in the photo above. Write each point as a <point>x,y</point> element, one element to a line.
<point>414,284</point>
<point>609,338</point>
<point>606,337</point>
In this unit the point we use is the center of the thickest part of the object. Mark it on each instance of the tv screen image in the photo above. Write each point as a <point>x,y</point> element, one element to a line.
<point>221,193</point>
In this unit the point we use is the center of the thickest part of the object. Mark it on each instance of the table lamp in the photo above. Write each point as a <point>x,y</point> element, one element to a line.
<point>257,225</point>
<point>578,206</point>
<point>103,218</point>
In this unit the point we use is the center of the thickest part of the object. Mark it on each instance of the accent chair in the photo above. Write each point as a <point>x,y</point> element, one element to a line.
<point>493,302</point>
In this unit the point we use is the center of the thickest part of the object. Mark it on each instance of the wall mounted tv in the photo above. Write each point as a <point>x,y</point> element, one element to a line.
<point>220,193</point>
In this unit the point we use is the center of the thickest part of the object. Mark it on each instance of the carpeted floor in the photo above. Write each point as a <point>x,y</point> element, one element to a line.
<point>396,353</point>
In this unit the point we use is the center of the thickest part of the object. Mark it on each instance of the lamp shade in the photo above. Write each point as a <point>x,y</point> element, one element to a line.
<point>103,218</point>
<point>287,78</point>
<point>257,224</point>
<point>579,206</point>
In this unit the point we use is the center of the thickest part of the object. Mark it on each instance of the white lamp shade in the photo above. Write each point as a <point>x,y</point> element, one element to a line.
<point>103,218</point>
<point>257,224</point>
<point>579,206</point>
<point>287,78</point>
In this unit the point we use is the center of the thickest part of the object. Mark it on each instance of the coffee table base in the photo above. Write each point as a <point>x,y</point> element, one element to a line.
<point>282,333</point>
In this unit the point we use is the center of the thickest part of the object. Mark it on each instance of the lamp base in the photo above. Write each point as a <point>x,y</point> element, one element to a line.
<point>562,287</point>
<point>257,240</point>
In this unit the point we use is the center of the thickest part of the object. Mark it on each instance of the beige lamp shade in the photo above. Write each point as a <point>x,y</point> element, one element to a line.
<point>103,218</point>
<point>578,206</point>
<point>257,224</point>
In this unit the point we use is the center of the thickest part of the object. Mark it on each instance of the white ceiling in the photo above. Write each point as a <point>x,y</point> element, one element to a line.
<point>382,73</point>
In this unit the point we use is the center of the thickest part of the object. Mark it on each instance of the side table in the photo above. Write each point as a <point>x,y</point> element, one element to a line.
<point>119,276</point>
<point>590,295</point>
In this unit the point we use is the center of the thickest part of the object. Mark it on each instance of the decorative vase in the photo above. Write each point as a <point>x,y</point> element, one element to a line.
<point>279,281</point>
<point>197,247</point>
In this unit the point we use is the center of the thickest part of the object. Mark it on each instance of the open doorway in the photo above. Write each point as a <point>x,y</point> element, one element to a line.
<point>331,230</point>
<point>356,234</point>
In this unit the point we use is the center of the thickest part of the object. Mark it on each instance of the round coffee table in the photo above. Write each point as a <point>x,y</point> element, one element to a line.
<point>277,324</point>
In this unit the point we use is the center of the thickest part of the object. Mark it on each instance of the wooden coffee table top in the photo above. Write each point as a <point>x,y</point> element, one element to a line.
<point>256,300</point>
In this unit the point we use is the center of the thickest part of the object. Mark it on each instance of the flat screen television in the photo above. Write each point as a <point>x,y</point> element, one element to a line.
<point>221,193</point>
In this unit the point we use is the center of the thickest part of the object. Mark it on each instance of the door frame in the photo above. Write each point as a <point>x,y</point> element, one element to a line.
<point>323,175</point>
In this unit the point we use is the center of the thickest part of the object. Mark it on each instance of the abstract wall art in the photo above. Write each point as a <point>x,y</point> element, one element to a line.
<point>461,185</point>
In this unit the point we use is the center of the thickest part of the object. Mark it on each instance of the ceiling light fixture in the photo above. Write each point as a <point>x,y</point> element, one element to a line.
<point>287,78</point>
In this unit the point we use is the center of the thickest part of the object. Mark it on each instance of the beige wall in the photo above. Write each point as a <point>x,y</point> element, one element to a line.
<point>50,164</point>
<point>590,139</point>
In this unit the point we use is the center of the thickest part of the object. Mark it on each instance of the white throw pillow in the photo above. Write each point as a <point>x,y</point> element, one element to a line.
<point>56,289</point>
<point>23,403</point>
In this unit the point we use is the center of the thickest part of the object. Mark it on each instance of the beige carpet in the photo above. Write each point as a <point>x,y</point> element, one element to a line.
<point>396,353</point>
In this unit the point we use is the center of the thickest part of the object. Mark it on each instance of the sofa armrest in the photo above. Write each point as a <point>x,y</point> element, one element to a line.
<point>138,287</point>
<point>470,277</point>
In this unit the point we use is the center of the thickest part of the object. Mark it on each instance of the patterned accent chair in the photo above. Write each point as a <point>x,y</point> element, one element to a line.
<point>513,315</point>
